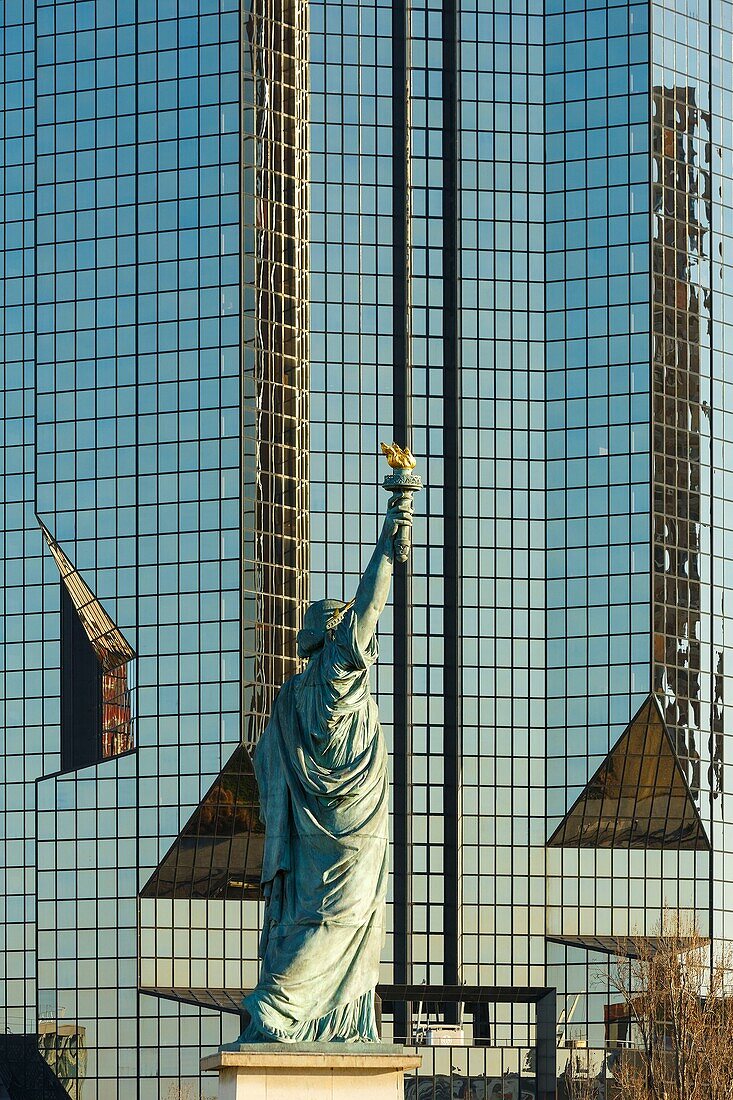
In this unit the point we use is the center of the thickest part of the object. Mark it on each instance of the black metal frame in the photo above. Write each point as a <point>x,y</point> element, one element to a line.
<point>390,997</point>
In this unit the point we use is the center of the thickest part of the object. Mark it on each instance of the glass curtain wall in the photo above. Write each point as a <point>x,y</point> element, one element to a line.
<point>131,284</point>
<point>21,649</point>
<point>597,462</point>
<point>262,241</point>
<point>502,481</point>
<point>628,124</point>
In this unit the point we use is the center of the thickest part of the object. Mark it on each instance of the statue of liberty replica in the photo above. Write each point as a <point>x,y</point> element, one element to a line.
<point>321,766</point>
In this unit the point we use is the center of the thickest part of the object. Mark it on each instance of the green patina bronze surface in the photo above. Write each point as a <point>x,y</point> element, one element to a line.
<point>321,767</point>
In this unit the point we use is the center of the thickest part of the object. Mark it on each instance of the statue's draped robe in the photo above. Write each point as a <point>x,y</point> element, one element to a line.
<point>321,766</point>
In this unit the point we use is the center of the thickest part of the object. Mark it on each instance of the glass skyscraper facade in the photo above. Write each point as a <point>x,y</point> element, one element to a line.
<point>241,245</point>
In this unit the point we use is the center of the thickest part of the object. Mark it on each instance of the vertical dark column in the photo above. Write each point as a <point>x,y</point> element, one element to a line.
<point>546,1039</point>
<point>81,692</point>
<point>402,430</point>
<point>451,506</point>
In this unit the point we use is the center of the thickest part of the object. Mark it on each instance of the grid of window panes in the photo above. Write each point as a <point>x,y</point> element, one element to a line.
<point>477,1070</point>
<point>502,500</point>
<point>218,853</point>
<point>138,473</point>
<point>21,658</point>
<point>682,329</point>
<point>597,444</point>
<point>721,253</point>
<point>189,421</point>
<point>138,477</point>
<point>350,306</point>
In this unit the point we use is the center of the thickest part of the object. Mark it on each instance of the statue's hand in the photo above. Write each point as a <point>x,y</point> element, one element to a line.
<point>399,514</point>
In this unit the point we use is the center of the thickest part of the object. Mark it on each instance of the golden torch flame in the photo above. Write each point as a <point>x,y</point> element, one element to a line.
<point>399,458</point>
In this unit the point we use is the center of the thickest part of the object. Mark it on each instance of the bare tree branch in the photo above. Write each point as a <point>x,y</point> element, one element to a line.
<point>680,1036</point>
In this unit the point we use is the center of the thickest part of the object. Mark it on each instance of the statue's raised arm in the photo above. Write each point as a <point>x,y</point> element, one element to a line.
<point>373,590</point>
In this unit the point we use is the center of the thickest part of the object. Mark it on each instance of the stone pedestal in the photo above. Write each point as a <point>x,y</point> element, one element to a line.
<point>311,1071</point>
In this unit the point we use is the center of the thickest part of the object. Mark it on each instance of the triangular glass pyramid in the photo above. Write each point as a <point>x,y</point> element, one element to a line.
<point>638,798</point>
<point>218,854</point>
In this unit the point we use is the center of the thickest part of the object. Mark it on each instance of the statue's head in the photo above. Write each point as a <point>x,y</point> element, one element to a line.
<point>315,625</point>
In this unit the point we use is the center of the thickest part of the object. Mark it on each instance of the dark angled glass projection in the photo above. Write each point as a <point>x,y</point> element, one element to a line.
<point>81,692</point>
<point>96,710</point>
<point>29,1065</point>
<point>638,798</point>
<point>623,946</point>
<point>219,852</point>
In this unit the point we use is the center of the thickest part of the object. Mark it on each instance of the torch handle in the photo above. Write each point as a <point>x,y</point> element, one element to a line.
<point>403,538</point>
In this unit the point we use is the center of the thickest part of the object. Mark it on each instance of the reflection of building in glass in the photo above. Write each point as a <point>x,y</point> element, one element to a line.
<point>49,1065</point>
<point>275,367</point>
<point>636,352</point>
<point>95,696</point>
<point>62,1046</point>
<point>116,712</point>
<point>638,798</point>
<point>219,852</point>
<point>681,318</point>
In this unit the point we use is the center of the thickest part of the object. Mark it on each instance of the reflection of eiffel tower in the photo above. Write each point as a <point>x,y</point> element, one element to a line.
<point>96,707</point>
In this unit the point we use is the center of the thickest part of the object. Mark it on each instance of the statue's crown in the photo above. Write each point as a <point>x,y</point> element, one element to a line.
<point>334,619</point>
